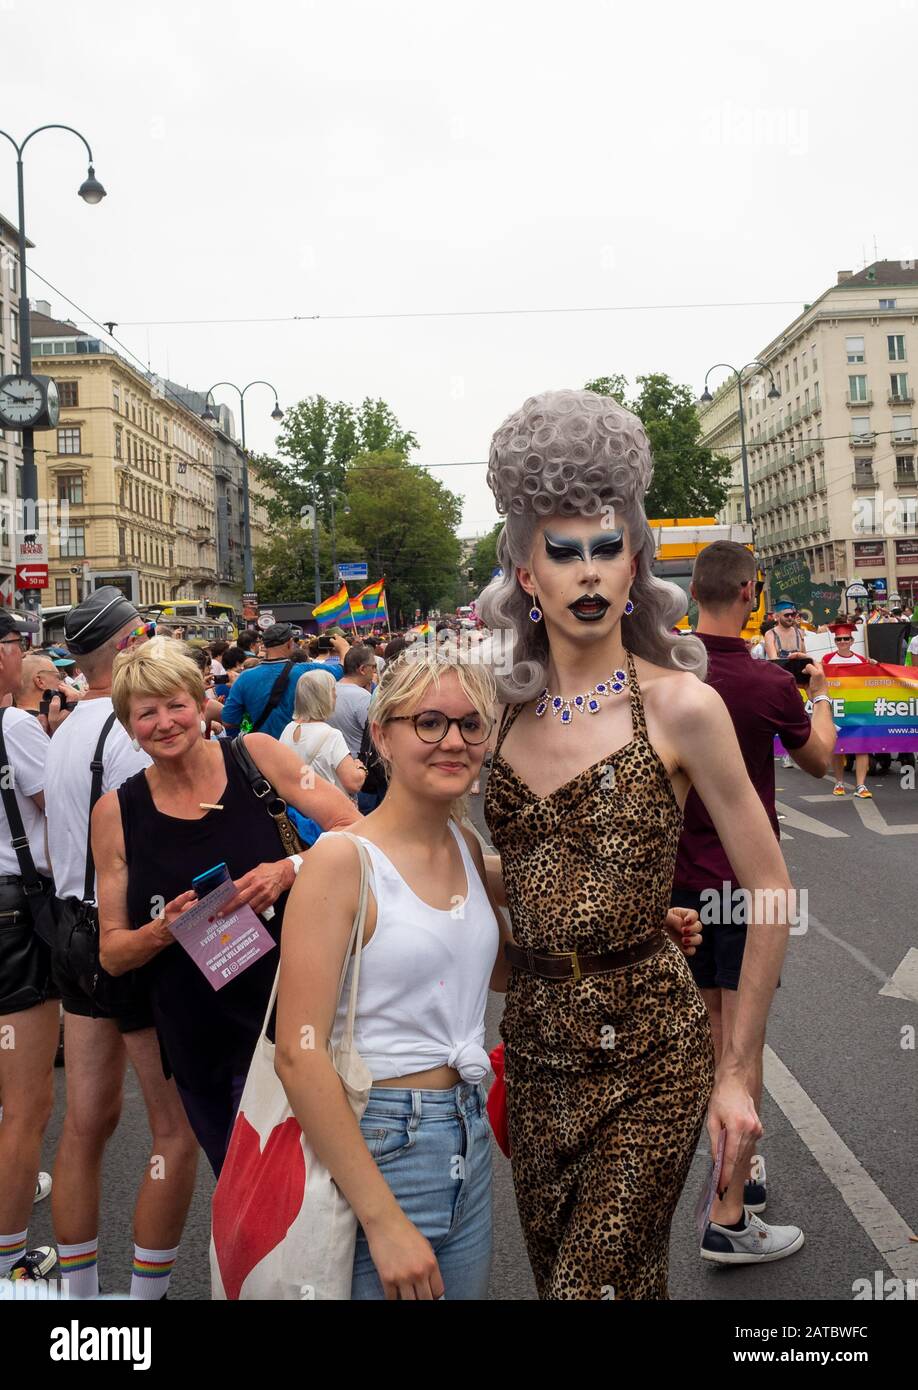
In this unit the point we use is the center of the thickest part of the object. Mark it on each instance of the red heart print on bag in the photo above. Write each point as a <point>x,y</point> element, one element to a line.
<point>257,1198</point>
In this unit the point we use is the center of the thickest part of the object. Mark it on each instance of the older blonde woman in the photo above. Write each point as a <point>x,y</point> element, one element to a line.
<point>315,742</point>
<point>417,1169</point>
<point>191,810</point>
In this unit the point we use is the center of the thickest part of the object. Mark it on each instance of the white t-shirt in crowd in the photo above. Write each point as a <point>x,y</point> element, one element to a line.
<point>68,784</point>
<point>318,745</point>
<point>27,747</point>
<point>913,646</point>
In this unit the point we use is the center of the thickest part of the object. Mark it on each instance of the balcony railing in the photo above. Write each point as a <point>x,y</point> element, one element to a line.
<point>905,477</point>
<point>900,400</point>
<point>862,441</point>
<point>864,479</point>
<point>852,402</point>
<point>902,437</point>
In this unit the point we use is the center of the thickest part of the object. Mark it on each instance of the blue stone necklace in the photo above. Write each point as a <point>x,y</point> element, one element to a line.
<point>583,703</point>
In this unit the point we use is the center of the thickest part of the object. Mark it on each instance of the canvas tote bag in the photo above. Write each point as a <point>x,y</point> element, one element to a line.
<point>281,1228</point>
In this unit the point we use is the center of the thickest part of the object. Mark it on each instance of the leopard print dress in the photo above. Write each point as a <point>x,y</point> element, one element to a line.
<point>608,1077</point>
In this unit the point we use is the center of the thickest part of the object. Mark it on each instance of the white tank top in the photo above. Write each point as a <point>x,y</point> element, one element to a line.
<point>424,977</point>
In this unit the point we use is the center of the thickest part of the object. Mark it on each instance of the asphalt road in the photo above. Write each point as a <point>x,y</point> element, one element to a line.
<point>840,1112</point>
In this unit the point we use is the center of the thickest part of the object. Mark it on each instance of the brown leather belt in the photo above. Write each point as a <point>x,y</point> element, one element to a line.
<point>566,965</point>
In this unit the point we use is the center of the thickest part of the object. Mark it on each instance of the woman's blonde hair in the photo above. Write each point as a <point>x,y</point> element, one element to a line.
<point>157,668</point>
<point>315,695</point>
<point>406,680</point>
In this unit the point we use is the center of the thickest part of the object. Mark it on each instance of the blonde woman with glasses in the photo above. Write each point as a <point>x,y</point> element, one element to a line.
<point>417,1168</point>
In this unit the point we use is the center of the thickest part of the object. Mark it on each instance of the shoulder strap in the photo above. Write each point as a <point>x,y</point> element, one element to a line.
<point>247,765</point>
<point>638,721</point>
<point>277,691</point>
<point>510,713</point>
<point>96,767</point>
<point>19,839</point>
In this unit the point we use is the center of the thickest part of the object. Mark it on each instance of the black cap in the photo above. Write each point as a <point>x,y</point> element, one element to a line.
<point>277,635</point>
<point>97,618</point>
<point>10,623</point>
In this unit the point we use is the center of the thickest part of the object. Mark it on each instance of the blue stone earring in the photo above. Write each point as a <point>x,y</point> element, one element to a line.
<point>535,612</point>
<point>629,607</point>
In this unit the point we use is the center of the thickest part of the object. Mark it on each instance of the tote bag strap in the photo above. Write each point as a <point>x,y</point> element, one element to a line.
<point>356,936</point>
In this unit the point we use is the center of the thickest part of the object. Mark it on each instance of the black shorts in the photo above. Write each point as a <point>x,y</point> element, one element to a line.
<point>717,962</point>
<point>25,961</point>
<point>137,1014</point>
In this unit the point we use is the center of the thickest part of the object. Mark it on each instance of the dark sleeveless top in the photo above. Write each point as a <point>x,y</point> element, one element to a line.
<point>206,1035</point>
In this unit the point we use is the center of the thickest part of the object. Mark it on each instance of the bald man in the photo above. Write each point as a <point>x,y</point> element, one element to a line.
<point>39,674</point>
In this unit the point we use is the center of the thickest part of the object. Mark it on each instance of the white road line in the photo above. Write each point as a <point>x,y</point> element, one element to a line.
<point>853,951</point>
<point>903,982</point>
<point>871,1209</point>
<point>801,821</point>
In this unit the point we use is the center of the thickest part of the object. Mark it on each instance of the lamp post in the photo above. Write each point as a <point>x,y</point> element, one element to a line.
<point>773,395</point>
<point>210,418</point>
<point>333,497</point>
<point>91,191</point>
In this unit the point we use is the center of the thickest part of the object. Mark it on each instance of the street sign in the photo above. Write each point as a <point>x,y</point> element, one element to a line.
<point>32,577</point>
<point>856,590</point>
<point>33,551</point>
<point>356,569</point>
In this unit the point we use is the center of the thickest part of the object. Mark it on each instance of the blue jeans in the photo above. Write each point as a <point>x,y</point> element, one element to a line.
<point>434,1150</point>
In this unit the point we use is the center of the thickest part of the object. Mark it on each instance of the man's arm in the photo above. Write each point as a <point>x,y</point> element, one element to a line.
<point>234,706</point>
<point>815,755</point>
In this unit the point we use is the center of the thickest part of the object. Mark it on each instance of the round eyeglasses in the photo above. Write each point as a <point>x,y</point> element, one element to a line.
<point>431,726</point>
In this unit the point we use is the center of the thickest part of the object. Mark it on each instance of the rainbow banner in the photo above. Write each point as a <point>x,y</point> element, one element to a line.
<point>333,609</point>
<point>371,596</point>
<point>369,606</point>
<point>875,708</point>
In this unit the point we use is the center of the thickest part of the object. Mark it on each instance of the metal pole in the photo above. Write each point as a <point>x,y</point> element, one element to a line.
<point>248,571</point>
<point>334,544</point>
<point>30,598</point>
<point>742,425</point>
<point>315,554</point>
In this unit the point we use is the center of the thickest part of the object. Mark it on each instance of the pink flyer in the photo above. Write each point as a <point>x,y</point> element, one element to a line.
<point>221,947</point>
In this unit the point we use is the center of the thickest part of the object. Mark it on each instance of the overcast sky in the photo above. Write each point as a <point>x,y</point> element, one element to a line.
<point>349,157</point>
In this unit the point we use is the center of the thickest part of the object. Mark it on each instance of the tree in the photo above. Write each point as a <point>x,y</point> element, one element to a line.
<point>403,522</point>
<point>317,441</point>
<point>688,479</point>
<point>483,559</point>
<point>285,567</point>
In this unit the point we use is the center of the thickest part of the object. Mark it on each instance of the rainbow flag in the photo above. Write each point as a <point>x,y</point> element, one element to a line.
<point>371,596</point>
<point>875,708</point>
<point>334,609</point>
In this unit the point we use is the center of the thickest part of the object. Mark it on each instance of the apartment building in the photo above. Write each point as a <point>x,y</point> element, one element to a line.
<point>10,440</point>
<point>135,467</point>
<point>720,432</point>
<point>832,461</point>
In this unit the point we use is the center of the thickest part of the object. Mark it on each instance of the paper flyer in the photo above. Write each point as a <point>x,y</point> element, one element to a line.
<point>709,1191</point>
<point>221,947</point>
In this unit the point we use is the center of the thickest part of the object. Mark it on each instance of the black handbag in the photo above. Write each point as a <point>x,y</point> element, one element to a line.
<point>275,805</point>
<point>24,957</point>
<point>71,925</point>
<point>376,781</point>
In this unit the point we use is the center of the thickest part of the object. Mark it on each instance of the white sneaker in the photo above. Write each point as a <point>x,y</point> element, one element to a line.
<point>756,1244</point>
<point>787,761</point>
<point>42,1187</point>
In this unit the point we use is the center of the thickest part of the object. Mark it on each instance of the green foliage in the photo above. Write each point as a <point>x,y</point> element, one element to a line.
<point>317,440</point>
<point>285,567</point>
<point>688,479</point>
<point>483,560</point>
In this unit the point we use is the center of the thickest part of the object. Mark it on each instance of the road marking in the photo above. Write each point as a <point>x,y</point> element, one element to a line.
<point>872,817</point>
<point>871,1208</point>
<point>903,982</point>
<point>801,821</point>
<point>853,951</point>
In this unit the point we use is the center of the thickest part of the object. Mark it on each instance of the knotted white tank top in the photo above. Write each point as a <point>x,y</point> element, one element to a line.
<point>423,977</point>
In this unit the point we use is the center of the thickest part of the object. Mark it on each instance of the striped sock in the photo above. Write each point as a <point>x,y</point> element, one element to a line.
<point>80,1267</point>
<point>12,1248</point>
<point>152,1272</point>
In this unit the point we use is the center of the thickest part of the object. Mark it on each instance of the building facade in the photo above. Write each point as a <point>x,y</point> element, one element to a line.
<point>720,432</point>
<point>135,468</point>
<point>10,440</point>
<point>833,460</point>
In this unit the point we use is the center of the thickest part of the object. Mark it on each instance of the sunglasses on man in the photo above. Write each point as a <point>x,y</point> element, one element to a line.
<point>144,630</point>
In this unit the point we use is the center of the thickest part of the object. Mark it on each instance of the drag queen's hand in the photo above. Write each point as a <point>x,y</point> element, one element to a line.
<point>731,1108</point>
<point>682,926</point>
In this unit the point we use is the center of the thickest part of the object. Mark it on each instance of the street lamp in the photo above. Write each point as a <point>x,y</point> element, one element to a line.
<point>91,191</point>
<point>210,418</point>
<point>333,497</point>
<point>773,395</point>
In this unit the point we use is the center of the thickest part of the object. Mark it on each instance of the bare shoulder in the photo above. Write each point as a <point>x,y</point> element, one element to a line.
<point>332,856</point>
<point>106,821</point>
<point>669,693</point>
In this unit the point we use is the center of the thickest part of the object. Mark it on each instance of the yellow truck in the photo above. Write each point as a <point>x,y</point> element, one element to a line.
<point>678,540</point>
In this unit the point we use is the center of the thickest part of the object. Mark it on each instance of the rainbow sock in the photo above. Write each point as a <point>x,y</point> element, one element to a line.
<point>12,1248</point>
<point>80,1268</point>
<point>152,1272</point>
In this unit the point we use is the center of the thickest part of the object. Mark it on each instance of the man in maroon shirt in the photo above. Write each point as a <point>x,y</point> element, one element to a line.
<point>763,700</point>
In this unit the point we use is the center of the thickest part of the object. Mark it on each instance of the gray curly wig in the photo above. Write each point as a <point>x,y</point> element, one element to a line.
<point>574,453</point>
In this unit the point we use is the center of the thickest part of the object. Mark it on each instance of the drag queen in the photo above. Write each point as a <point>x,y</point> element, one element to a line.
<point>609,1062</point>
